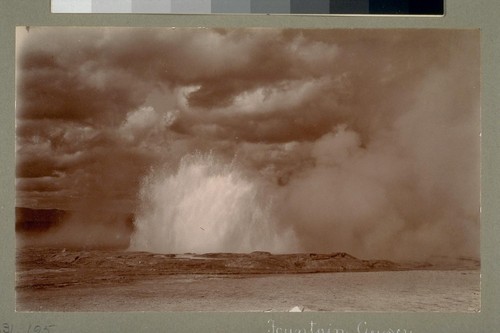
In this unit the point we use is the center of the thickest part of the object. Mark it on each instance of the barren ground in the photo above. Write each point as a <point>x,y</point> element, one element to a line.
<point>65,280</point>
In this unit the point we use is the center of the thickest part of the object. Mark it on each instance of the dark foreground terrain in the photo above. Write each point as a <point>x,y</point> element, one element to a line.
<point>107,280</point>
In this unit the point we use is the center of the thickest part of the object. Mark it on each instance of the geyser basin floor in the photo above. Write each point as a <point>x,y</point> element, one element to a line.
<point>125,281</point>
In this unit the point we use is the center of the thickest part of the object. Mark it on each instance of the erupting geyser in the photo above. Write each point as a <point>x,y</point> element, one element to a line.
<point>206,206</point>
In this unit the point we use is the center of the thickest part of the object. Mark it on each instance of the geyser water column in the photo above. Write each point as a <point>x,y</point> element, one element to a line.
<point>205,206</point>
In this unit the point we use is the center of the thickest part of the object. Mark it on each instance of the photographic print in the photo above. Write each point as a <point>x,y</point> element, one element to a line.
<point>248,170</point>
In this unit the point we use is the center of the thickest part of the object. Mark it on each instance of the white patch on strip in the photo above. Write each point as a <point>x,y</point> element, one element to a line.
<point>71,6</point>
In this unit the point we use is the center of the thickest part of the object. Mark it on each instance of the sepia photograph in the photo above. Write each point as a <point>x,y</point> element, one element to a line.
<point>247,169</point>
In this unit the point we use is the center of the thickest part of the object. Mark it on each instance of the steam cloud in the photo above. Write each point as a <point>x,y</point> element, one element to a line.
<point>364,141</point>
<point>207,206</point>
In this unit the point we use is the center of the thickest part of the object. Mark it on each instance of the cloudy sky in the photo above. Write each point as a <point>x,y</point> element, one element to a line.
<point>372,135</point>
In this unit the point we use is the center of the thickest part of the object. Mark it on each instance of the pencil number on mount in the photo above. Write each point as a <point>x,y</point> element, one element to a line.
<point>40,328</point>
<point>9,328</point>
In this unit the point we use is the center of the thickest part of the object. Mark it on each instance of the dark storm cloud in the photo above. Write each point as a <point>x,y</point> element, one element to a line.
<point>66,92</point>
<point>83,88</point>
<point>103,74</point>
<point>96,76</point>
<point>349,89</point>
